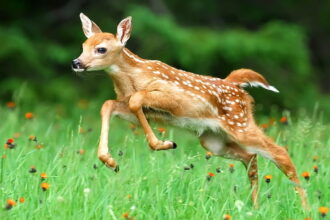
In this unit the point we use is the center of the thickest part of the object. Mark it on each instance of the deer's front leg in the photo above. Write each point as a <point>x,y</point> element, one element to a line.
<point>135,105</point>
<point>107,109</point>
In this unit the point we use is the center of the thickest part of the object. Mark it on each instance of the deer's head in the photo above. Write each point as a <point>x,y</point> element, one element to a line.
<point>101,50</point>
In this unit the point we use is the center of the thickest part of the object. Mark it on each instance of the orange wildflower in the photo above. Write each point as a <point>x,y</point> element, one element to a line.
<point>231,167</point>
<point>10,144</point>
<point>10,141</point>
<point>268,178</point>
<point>315,158</point>
<point>315,169</point>
<point>44,186</point>
<point>29,115</point>
<point>129,196</point>
<point>306,175</point>
<point>22,200</point>
<point>226,217</point>
<point>33,169</point>
<point>284,120</point>
<point>271,121</point>
<point>208,155</point>
<point>81,152</point>
<point>132,126</point>
<point>39,146</point>
<point>17,135</point>
<point>32,138</point>
<point>264,126</point>
<point>125,215</point>
<point>82,131</point>
<point>209,176</point>
<point>10,204</point>
<point>11,105</point>
<point>161,130</point>
<point>323,211</point>
<point>43,176</point>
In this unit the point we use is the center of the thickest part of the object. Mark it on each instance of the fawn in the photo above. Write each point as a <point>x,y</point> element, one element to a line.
<point>219,111</point>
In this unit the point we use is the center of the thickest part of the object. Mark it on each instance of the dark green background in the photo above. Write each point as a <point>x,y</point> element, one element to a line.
<point>286,41</point>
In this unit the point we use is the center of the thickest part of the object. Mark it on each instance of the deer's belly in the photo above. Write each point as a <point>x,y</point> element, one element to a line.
<point>198,125</point>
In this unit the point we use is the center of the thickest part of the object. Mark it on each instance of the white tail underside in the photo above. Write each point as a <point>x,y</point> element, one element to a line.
<point>259,84</point>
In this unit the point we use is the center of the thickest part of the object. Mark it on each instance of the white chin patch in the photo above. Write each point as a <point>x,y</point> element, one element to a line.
<point>78,70</point>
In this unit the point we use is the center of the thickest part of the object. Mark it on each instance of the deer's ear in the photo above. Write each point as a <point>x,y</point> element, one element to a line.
<point>124,30</point>
<point>88,26</point>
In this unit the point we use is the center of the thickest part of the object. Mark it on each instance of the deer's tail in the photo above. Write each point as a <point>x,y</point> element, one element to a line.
<point>247,77</point>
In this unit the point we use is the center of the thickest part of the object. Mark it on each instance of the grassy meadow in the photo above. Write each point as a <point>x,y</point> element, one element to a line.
<point>59,143</point>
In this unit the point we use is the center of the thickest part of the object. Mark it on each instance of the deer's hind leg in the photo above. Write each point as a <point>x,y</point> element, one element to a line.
<point>254,140</point>
<point>136,102</point>
<point>219,145</point>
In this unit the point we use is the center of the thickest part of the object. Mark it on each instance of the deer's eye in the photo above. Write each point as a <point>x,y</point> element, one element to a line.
<point>101,50</point>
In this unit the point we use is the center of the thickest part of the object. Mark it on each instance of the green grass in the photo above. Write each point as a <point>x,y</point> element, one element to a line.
<point>157,183</point>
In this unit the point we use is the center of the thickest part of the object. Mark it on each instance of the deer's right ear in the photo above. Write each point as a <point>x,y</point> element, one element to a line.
<point>88,26</point>
<point>124,30</point>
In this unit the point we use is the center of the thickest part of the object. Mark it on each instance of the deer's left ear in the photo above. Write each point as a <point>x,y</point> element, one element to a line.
<point>124,30</point>
<point>89,27</point>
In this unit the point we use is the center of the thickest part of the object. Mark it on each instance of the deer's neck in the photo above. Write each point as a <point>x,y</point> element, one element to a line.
<point>127,74</point>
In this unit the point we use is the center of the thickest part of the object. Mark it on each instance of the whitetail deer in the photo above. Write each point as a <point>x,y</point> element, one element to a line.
<point>219,111</point>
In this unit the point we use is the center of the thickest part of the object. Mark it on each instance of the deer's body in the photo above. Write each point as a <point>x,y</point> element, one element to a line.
<point>219,111</point>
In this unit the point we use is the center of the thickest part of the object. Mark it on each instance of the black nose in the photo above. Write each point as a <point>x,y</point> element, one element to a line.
<point>76,64</point>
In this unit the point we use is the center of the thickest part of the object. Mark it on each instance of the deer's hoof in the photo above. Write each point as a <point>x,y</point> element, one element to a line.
<point>116,169</point>
<point>174,145</point>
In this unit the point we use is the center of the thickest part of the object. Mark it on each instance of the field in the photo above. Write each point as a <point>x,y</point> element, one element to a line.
<point>173,184</point>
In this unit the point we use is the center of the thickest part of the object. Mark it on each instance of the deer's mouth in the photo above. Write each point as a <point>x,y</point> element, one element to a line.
<point>78,70</point>
<point>78,66</point>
